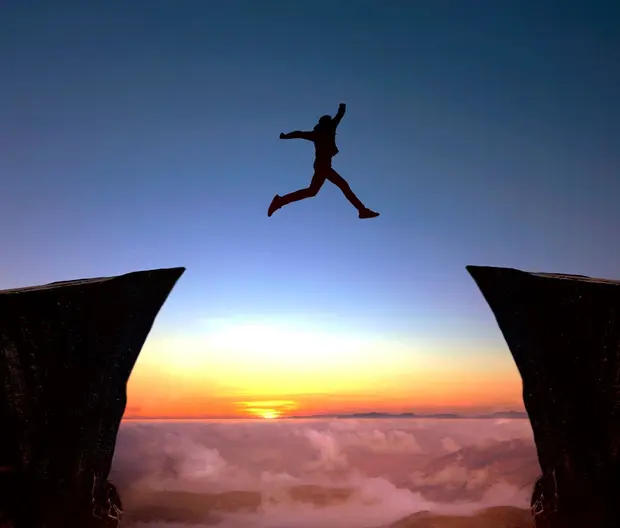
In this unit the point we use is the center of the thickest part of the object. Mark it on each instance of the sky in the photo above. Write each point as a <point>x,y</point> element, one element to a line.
<point>140,135</point>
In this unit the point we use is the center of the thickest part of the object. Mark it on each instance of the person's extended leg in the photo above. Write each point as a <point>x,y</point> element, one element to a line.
<point>342,184</point>
<point>318,179</point>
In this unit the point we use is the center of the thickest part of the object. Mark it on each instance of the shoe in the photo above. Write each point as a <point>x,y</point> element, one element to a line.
<point>368,213</point>
<point>274,206</point>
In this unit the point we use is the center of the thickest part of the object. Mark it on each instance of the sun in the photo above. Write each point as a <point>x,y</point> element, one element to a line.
<point>268,409</point>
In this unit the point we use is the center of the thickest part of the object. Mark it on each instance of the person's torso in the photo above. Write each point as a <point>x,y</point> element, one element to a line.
<point>325,145</point>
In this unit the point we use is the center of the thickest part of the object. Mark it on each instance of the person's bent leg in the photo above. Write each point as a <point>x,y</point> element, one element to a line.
<point>312,190</point>
<point>342,184</point>
<point>295,196</point>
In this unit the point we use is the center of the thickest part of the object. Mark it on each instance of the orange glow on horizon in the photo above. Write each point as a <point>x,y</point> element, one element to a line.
<point>269,409</point>
<point>223,375</point>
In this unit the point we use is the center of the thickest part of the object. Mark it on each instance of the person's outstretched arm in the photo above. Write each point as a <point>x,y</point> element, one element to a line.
<point>297,134</point>
<point>339,115</point>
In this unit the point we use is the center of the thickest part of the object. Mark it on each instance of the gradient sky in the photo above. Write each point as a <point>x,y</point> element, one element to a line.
<point>144,134</point>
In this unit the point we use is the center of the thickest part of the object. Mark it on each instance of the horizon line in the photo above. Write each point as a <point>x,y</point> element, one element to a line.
<point>359,415</point>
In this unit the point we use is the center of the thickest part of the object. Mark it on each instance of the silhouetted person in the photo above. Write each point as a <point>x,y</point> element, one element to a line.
<point>324,138</point>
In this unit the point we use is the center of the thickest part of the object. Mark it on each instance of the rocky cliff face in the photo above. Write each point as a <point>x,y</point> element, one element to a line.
<point>564,334</point>
<point>66,352</point>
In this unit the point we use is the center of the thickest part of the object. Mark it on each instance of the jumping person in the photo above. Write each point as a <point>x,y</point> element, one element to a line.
<point>324,138</point>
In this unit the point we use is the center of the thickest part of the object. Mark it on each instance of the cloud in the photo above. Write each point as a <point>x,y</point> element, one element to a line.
<point>330,453</point>
<point>452,477</point>
<point>449,444</point>
<point>329,473</point>
<point>194,461</point>
<point>395,441</point>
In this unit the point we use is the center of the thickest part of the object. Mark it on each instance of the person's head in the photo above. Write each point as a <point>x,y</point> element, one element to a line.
<point>324,123</point>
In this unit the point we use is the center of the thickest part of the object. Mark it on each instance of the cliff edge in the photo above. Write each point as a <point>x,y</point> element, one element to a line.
<point>564,334</point>
<point>66,352</point>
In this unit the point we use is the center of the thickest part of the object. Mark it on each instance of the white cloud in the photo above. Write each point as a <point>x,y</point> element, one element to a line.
<point>314,473</point>
<point>330,452</point>
<point>449,444</point>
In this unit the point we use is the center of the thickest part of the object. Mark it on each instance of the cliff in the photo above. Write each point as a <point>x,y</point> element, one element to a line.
<point>66,352</point>
<point>564,334</point>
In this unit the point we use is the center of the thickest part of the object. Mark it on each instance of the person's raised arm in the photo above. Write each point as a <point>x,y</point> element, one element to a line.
<point>297,134</point>
<point>339,115</point>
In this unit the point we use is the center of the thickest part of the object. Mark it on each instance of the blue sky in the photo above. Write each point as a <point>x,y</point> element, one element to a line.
<point>144,134</point>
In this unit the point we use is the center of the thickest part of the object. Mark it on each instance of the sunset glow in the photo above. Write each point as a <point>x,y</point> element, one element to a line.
<point>262,369</point>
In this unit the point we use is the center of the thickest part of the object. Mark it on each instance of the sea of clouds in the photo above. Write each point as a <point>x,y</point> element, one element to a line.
<point>340,473</point>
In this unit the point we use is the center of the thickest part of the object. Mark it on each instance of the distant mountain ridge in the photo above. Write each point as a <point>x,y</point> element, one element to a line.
<point>509,415</point>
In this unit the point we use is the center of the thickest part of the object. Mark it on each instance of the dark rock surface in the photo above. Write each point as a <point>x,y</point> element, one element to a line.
<point>66,352</point>
<point>564,334</point>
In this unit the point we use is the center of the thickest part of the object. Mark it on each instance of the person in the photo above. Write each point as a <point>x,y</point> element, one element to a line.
<point>324,138</point>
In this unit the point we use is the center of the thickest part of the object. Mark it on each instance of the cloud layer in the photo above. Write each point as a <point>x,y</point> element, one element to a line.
<point>330,473</point>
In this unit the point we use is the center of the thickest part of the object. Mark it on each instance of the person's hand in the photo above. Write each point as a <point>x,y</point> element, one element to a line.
<point>282,135</point>
<point>342,105</point>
